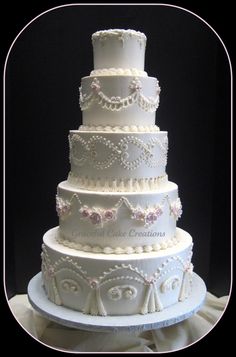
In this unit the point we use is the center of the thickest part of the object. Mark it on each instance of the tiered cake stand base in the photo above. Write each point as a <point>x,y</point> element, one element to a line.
<point>78,320</point>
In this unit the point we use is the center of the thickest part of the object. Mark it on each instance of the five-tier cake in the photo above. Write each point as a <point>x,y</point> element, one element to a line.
<point>117,250</point>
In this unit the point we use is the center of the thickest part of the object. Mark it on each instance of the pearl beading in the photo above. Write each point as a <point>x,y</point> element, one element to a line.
<point>156,247</point>
<point>120,129</point>
<point>119,153</point>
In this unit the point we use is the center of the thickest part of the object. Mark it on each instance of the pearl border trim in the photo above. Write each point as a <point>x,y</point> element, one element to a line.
<point>119,250</point>
<point>121,129</point>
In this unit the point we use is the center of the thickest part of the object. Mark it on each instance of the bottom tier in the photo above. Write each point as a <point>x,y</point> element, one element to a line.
<point>100,284</point>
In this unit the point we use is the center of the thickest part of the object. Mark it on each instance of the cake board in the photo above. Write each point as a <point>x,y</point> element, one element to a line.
<point>75,319</point>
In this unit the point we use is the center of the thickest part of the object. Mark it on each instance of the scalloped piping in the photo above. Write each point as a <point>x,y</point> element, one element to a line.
<point>118,129</point>
<point>118,185</point>
<point>118,250</point>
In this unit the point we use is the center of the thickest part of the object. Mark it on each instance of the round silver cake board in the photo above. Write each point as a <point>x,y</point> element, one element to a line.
<point>78,320</point>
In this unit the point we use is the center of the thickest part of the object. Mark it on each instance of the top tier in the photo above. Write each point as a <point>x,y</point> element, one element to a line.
<point>119,49</point>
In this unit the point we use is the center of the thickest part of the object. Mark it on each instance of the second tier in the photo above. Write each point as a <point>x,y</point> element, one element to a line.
<point>118,161</point>
<point>118,222</point>
<point>119,100</point>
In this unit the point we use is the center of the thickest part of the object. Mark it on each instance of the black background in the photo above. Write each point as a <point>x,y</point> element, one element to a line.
<point>42,79</point>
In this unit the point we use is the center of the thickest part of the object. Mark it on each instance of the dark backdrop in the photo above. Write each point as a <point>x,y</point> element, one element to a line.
<point>42,79</point>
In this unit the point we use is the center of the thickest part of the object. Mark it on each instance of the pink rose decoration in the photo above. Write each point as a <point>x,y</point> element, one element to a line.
<point>139,215</point>
<point>109,215</point>
<point>95,218</point>
<point>151,217</point>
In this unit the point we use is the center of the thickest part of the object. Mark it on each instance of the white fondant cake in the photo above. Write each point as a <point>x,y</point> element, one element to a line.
<point>117,250</point>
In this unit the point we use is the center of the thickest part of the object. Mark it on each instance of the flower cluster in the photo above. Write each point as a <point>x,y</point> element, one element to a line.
<point>189,269</point>
<point>150,281</point>
<point>176,208</point>
<point>95,85</point>
<point>135,85</point>
<point>49,272</point>
<point>93,282</point>
<point>158,88</point>
<point>62,207</point>
<point>98,216</point>
<point>147,216</point>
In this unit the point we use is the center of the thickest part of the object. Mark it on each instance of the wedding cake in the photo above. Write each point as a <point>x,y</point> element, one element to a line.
<point>117,250</point>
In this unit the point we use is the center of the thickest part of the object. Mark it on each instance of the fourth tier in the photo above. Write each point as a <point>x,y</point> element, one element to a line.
<point>117,223</point>
<point>123,162</point>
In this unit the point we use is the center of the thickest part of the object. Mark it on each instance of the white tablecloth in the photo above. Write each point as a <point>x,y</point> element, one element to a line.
<point>169,338</point>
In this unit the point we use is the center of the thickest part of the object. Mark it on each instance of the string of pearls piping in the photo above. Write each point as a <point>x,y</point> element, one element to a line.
<point>120,129</point>
<point>145,278</point>
<point>148,104</point>
<point>117,152</point>
<point>119,250</point>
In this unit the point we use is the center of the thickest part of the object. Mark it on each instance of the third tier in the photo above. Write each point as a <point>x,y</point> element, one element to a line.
<point>118,161</point>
